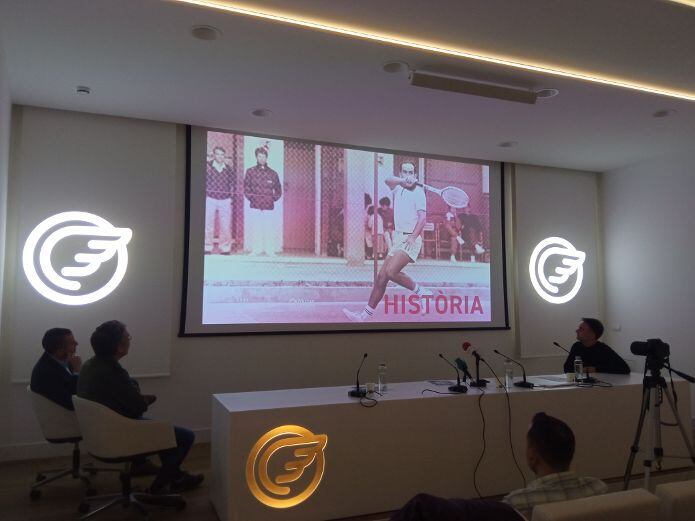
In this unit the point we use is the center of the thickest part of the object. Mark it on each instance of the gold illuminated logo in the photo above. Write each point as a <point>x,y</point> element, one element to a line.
<point>299,449</point>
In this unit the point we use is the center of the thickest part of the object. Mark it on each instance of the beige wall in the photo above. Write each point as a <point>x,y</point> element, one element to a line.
<point>202,366</point>
<point>650,282</point>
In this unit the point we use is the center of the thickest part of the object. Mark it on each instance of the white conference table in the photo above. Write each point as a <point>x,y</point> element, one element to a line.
<point>377,458</point>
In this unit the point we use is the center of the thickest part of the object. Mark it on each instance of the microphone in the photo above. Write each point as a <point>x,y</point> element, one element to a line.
<point>558,345</point>
<point>523,383</point>
<point>463,366</point>
<point>458,388</point>
<point>477,382</point>
<point>358,392</point>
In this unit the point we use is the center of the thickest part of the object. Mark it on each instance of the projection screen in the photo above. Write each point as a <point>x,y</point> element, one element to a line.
<point>288,235</point>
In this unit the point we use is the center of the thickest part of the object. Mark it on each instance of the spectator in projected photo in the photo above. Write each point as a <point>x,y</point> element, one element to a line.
<point>452,226</point>
<point>386,213</point>
<point>262,188</point>
<point>410,215</point>
<point>219,186</point>
<point>472,232</point>
<point>373,220</point>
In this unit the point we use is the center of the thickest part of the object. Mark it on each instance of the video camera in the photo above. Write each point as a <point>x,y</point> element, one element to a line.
<point>654,349</point>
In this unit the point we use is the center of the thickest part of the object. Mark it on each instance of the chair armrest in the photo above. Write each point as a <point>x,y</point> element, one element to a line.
<point>109,435</point>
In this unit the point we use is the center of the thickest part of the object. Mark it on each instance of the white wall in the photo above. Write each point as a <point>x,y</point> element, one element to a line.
<point>555,203</point>
<point>202,366</point>
<point>5,110</point>
<point>648,212</point>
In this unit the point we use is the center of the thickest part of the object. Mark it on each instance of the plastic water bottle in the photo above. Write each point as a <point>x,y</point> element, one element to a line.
<point>508,373</point>
<point>578,369</point>
<point>381,377</point>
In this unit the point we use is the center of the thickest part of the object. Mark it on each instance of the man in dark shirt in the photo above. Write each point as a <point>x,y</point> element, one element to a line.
<point>593,353</point>
<point>472,232</point>
<point>105,381</point>
<point>55,373</point>
<point>262,188</point>
<point>220,184</point>
<point>386,213</point>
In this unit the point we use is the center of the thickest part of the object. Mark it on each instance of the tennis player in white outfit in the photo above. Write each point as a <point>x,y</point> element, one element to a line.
<point>410,215</point>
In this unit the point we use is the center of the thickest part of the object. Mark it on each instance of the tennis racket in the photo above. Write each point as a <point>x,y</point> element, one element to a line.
<point>452,196</point>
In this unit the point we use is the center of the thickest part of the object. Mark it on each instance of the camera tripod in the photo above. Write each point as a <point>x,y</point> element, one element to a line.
<point>653,390</point>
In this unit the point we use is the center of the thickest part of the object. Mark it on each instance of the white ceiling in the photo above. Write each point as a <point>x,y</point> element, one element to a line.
<point>140,61</point>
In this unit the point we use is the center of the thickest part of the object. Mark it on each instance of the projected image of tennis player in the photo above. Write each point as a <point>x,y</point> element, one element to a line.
<point>410,216</point>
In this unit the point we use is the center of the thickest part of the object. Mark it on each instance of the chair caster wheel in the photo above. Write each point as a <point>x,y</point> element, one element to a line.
<point>91,492</point>
<point>35,494</point>
<point>83,508</point>
<point>40,477</point>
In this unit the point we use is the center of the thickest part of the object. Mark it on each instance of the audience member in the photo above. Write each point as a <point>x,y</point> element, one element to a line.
<point>549,452</point>
<point>105,381</point>
<point>55,373</point>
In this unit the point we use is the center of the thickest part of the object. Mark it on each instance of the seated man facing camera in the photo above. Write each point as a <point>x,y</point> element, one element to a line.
<point>549,452</point>
<point>593,353</point>
<point>105,381</point>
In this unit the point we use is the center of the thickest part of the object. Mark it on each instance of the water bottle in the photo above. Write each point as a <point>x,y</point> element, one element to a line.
<point>578,369</point>
<point>381,377</point>
<point>508,373</point>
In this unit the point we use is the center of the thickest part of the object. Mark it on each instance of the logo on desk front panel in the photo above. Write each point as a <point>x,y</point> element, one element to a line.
<point>557,270</point>
<point>286,465</point>
<point>84,242</point>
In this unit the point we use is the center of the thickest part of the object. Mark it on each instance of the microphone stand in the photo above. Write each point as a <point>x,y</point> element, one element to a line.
<point>478,382</point>
<point>358,392</point>
<point>458,388</point>
<point>524,383</point>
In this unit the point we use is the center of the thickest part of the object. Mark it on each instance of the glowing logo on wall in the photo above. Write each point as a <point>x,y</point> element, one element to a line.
<point>106,242</point>
<point>303,450</point>
<point>568,263</point>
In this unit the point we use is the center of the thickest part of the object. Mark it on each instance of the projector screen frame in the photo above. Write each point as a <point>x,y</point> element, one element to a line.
<point>377,327</point>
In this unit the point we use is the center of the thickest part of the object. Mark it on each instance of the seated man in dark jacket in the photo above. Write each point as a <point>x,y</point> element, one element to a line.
<point>105,381</point>
<point>593,353</point>
<point>55,374</point>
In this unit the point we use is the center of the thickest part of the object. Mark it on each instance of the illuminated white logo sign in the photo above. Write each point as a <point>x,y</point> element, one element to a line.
<point>106,242</point>
<point>568,261</point>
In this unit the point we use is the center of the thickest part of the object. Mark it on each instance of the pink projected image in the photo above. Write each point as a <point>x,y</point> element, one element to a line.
<point>298,232</point>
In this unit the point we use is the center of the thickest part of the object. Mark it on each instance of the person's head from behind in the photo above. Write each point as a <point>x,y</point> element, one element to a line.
<point>549,445</point>
<point>111,340</point>
<point>59,342</point>
<point>261,156</point>
<point>219,154</point>
<point>589,331</point>
<point>385,202</point>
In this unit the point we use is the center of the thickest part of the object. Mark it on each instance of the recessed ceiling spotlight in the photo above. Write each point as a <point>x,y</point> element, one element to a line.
<point>205,32</point>
<point>395,67</point>
<point>508,144</point>
<point>261,113</point>
<point>547,93</point>
<point>664,113</point>
<point>83,90</point>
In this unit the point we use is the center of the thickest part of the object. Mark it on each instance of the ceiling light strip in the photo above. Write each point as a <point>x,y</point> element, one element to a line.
<point>689,3</point>
<point>424,46</point>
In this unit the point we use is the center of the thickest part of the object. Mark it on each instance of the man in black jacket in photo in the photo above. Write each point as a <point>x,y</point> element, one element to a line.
<point>262,188</point>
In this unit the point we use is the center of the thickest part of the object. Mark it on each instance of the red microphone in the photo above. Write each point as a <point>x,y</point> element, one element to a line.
<point>466,346</point>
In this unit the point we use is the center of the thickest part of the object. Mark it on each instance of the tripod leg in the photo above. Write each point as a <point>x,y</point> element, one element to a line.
<point>655,449</point>
<point>634,449</point>
<point>684,434</point>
